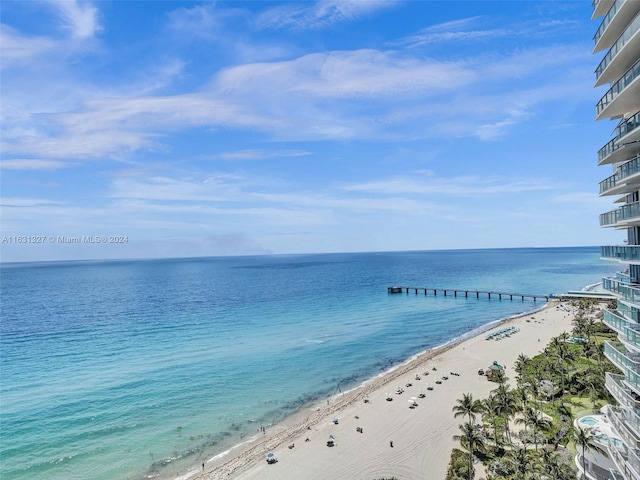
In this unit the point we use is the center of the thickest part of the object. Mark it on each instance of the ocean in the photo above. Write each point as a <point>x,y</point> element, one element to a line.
<point>146,368</point>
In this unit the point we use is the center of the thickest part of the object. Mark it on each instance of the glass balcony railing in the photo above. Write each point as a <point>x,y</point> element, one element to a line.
<point>607,150</point>
<point>609,219</point>
<point>627,126</point>
<point>626,464</point>
<point>633,379</point>
<point>624,253</point>
<point>622,214</point>
<point>618,88</point>
<point>628,292</point>
<point>624,310</point>
<point>621,357</point>
<point>627,425</point>
<point>629,168</point>
<point>623,277</point>
<point>609,183</point>
<point>631,335</point>
<point>632,466</point>
<point>615,321</point>
<point>623,172</point>
<point>629,32</point>
<point>607,20</point>
<point>624,128</point>
<point>620,391</point>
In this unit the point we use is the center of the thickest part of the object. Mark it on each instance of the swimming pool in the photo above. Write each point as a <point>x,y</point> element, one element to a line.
<point>606,440</point>
<point>588,421</point>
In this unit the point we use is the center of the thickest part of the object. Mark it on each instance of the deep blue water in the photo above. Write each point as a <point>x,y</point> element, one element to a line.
<point>127,369</point>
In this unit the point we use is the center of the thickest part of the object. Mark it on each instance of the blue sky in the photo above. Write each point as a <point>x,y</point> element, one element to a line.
<point>225,128</point>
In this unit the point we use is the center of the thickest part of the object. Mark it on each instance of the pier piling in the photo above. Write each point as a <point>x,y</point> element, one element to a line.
<point>478,293</point>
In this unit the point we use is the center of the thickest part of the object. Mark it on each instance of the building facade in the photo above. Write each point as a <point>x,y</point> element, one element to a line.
<point>618,38</point>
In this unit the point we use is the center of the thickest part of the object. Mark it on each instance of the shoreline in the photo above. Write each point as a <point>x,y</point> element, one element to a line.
<point>247,460</point>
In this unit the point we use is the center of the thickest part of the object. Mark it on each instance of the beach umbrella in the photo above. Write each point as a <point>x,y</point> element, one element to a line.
<point>270,455</point>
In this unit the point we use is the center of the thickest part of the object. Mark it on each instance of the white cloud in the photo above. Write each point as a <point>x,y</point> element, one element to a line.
<point>462,30</point>
<point>32,164</point>
<point>80,18</point>
<point>259,154</point>
<point>469,186</point>
<point>358,74</point>
<point>357,94</point>
<point>17,49</point>
<point>321,14</point>
<point>23,202</point>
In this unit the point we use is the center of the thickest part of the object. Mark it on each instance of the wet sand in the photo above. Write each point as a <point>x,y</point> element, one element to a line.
<point>421,437</point>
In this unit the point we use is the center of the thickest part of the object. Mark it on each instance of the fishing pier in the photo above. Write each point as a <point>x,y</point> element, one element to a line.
<point>456,292</point>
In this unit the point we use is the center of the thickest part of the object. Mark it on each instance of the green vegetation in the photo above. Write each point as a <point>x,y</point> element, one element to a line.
<point>527,432</point>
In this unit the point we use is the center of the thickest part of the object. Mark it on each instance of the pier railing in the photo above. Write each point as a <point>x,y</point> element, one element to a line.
<point>456,292</point>
<point>466,293</point>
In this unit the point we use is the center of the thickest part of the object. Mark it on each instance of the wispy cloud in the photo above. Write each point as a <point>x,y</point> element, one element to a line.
<point>33,164</point>
<point>258,154</point>
<point>321,14</point>
<point>205,21</point>
<point>78,17</point>
<point>18,49</point>
<point>462,30</point>
<point>334,95</point>
<point>468,186</point>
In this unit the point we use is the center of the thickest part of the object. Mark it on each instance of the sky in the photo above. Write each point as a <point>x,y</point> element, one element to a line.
<point>147,129</point>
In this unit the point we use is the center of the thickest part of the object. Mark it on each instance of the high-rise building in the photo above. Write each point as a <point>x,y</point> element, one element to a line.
<point>618,34</point>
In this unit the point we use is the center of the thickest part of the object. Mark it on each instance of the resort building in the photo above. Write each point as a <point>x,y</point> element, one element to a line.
<point>617,431</point>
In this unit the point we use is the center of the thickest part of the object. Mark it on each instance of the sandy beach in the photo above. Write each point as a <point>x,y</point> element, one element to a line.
<point>376,438</point>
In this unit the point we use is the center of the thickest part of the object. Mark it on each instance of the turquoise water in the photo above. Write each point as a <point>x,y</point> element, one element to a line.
<point>589,421</point>
<point>133,369</point>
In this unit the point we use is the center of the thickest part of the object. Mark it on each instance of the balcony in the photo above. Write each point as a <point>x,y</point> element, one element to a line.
<point>625,216</point>
<point>628,130</point>
<point>621,55</point>
<point>623,310</point>
<point>600,7</point>
<point>622,358</point>
<point>625,180</point>
<point>620,149</point>
<point>628,330</point>
<point>633,380</point>
<point>616,321</point>
<point>617,18</point>
<point>623,96</point>
<point>626,463</point>
<point>622,253</point>
<point>631,335</point>
<point>621,392</point>
<point>624,289</point>
<point>626,423</point>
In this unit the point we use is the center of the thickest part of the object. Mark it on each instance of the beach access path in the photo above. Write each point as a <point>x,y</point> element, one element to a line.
<point>422,437</point>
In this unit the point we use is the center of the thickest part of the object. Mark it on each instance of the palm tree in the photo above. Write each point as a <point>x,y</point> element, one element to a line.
<point>473,441</point>
<point>553,468</point>
<point>563,354</point>
<point>537,423</point>
<point>508,405</point>
<point>467,406</point>
<point>523,464</point>
<point>491,410</point>
<point>582,440</point>
<point>520,368</point>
